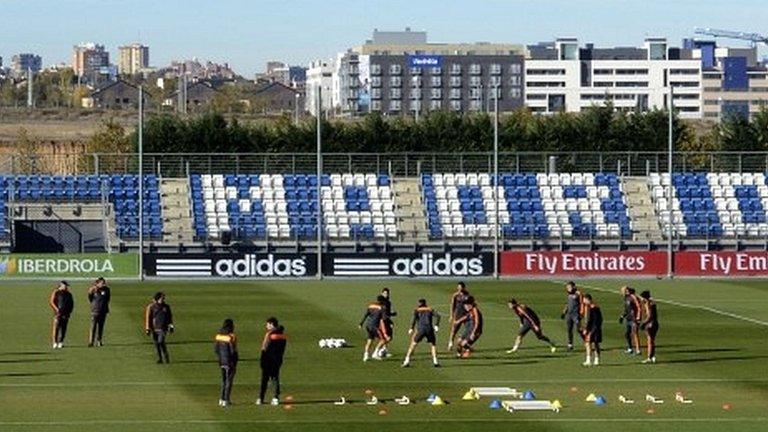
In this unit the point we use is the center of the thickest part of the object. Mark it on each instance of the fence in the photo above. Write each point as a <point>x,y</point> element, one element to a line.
<point>396,164</point>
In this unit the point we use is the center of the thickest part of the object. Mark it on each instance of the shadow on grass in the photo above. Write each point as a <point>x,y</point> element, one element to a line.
<point>31,374</point>
<point>30,360</point>
<point>23,353</point>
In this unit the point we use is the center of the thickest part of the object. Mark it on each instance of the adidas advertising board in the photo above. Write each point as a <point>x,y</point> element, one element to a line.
<point>409,265</point>
<point>247,265</point>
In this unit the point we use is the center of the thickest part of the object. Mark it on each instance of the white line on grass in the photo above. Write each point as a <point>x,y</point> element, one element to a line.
<point>397,382</point>
<point>390,420</point>
<point>686,305</point>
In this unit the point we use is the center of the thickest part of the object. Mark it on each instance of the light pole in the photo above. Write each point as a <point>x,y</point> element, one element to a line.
<point>141,182</point>
<point>296,109</point>
<point>670,258</point>
<point>319,186</point>
<point>496,179</point>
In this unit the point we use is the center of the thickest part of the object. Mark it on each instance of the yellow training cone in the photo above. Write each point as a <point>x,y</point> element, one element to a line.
<point>591,397</point>
<point>556,404</point>
<point>470,395</point>
<point>438,401</point>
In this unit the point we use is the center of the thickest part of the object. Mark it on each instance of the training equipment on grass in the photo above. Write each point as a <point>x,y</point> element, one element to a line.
<point>495,404</point>
<point>404,400</point>
<point>470,395</point>
<point>532,405</point>
<point>680,398</point>
<point>556,404</point>
<point>431,397</point>
<point>478,392</point>
<point>623,399</point>
<point>437,401</point>
<point>342,401</point>
<point>529,395</point>
<point>372,401</point>
<point>332,343</point>
<point>591,397</point>
<point>653,399</point>
<point>600,401</point>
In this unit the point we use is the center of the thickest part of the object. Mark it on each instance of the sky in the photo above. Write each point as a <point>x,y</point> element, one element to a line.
<point>248,33</point>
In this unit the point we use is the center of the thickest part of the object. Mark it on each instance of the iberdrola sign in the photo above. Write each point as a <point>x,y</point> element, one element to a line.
<point>13,266</point>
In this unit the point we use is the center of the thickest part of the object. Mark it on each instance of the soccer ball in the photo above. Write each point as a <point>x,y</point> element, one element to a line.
<point>323,343</point>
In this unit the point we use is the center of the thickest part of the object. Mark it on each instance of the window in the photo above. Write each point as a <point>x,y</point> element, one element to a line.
<point>475,93</point>
<point>395,93</point>
<point>376,93</point>
<point>495,92</point>
<point>515,80</point>
<point>376,105</point>
<point>529,96</point>
<point>631,84</point>
<point>515,68</point>
<point>415,71</point>
<point>436,70</point>
<point>395,81</point>
<point>436,81</point>
<point>415,93</point>
<point>475,105</point>
<point>456,105</point>
<point>376,81</point>
<point>415,81</point>
<point>685,84</point>
<point>436,93</point>
<point>415,105</point>
<point>435,104</point>
<point>455,69</point>
<point>395,105</point>
<point>495,69</point>
<point>353,93</point>
<point>495,80</point>
<point>683,71</point>
<point>353,70</point>
<point>475,81</point>
<point>475,69</point>
<point>714,76</point>
<point>602,84</point>
<point>455,81</point>
<point>375,69</point>
<point>455,93</point>
<point>395,69</point>
<point>602,72</point>
<point>516,93</point>
<point>545,84</point>
<point>545,72</point>
<point>631,71</point>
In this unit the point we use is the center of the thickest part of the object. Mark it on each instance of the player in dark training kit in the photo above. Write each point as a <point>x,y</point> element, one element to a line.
<point>650,325</point>
<point>528,321</point>
<point>225,347</point>
<point>473,328</point>
<point>593,331</point>
<point>99,296</point>
<point>158,322</point>
<point>630,318</point>
<point>573,311</point>
<point>272,351</point>
<point>373,321</point>
<point>425,324</point>
<point>63,304</point>
<point>457,312</point>
<point>389,325</point>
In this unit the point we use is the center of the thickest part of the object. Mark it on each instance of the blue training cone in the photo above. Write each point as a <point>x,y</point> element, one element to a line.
<point>600,401</point>
<point>495,404</point>
<point>431,397</point>
<point>529,395</point>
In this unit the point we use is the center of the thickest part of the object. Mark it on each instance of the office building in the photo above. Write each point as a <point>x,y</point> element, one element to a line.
<point>134,59</point>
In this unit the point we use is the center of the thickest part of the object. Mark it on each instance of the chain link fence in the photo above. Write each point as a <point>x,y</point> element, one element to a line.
<point>394,164</point>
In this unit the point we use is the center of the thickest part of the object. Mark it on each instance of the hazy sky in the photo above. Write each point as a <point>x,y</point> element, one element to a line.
<point>247,33</point>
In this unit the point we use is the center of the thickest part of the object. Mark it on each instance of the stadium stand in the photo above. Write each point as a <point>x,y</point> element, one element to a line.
<point>356,206</point>
<point>578,205</point>
<point>711,204</point>
<point>122,191</point>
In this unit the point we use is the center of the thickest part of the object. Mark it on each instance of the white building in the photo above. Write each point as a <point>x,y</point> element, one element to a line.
<point>319,74</point>
<point>565,76</point>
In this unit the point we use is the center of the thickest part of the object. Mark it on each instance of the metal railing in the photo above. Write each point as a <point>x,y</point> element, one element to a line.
<point>395,164</point>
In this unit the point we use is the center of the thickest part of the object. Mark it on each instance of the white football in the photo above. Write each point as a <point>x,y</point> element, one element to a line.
<point>323,343</point>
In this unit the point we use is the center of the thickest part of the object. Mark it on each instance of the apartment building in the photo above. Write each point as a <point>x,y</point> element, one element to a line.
<point>134,58</point>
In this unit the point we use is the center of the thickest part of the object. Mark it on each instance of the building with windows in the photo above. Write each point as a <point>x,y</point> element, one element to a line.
<point>734,81</point>
<point>400,73</point>
<point>134,59</point>
<point>319,75</point>
<point>565,76</point>
<point>90,60</point>
<point>22,63</point>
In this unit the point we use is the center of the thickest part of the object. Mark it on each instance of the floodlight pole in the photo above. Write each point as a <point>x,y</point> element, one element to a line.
<point>141,182</point>
<point>670,230</point>
<point>319,185</point>
<point>496,180</point>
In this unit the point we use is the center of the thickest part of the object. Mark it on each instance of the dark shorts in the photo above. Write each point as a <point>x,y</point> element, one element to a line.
<point>593,336</point>
<point>470,340</point>
<point>389,328</point>
<point>652,331</point>
<point>376,333</point>
<point>422,334</point>
<point>525,328</point>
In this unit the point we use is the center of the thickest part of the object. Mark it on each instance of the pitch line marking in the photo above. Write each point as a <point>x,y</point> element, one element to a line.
<point>321,383</point>
<point>689,306</point>
<point>411,420</point>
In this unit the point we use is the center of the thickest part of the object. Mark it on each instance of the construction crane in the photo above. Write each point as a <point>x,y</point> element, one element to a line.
<point>755,38</point>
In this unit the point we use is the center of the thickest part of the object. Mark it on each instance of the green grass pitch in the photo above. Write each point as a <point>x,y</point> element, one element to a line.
<point>713,346</point>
